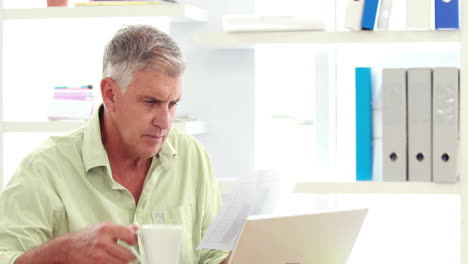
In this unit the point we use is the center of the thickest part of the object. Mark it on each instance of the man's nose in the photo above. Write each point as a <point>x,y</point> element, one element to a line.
<point>162,118</point>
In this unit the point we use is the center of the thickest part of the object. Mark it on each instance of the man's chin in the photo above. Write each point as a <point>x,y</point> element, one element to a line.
<point>151,151</point>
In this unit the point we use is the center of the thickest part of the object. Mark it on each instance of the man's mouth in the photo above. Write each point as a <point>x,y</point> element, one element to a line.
<point>157,136</point>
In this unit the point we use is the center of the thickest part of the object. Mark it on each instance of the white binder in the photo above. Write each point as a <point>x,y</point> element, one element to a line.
<point>394,124</point>
<point>445,124</point>
<point>419,124</point>
<point>384,15</point>
<point>353,16</point>
<point>419,14</point>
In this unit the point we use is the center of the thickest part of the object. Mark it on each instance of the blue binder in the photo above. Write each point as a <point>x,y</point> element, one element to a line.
<point>447,14</point>
<point>363,124</point>
<point>369,14</point>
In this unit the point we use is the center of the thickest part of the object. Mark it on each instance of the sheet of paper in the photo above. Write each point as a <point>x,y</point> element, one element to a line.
<point>252,195</point>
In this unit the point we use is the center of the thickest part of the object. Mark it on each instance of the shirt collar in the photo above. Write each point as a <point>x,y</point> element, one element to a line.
<point>167,154</point>
<point>95,155</point>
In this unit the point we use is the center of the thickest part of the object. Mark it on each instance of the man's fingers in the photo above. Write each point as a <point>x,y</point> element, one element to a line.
<point>134,227</point>
<point>119,252</point>
<point>121,232</point>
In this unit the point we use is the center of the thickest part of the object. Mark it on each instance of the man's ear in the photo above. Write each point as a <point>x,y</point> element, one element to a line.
<point>108,92</point>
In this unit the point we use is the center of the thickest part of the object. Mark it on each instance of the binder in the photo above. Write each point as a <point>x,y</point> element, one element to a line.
<point>419,124</point>
<point>369,14</point>
<point>363,124</point>
<point>419,14</point>
<point>385,12</point>
<point>353,15</point>
<point>445,124</point>
<point>394,125</point>
<point>447,14</point>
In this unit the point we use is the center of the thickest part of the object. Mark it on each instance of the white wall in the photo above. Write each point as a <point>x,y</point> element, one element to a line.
<point>219,89</point>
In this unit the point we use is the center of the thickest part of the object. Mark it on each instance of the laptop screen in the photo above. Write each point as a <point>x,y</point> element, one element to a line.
<point>316,238</point>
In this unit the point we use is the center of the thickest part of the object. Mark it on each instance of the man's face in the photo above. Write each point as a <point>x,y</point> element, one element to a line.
<point>144,112</point>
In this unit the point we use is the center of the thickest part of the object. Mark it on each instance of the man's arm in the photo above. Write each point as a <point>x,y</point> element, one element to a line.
<point>95,244</point>
<point>29,208</point>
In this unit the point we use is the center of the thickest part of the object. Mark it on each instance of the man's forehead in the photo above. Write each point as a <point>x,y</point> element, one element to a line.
<point>152,80</point>
<point>163,90</point>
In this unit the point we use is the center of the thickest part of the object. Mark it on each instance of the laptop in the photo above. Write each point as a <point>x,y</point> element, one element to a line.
<point>316,238</point>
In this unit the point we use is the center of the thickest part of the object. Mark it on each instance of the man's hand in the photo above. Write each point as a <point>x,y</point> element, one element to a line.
<point>94,245</point>
<point>226,260</point>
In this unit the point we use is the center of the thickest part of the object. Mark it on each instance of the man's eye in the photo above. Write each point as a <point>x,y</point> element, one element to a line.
<point>151,102</point>
<point>174,103</point>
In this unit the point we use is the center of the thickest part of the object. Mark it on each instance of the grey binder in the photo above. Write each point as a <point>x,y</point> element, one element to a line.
<point>445,124</point>
<point>394,124</point>
<point>420,124</point>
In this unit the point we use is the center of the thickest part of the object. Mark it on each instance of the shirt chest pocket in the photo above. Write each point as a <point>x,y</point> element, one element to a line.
<point>180,215</point>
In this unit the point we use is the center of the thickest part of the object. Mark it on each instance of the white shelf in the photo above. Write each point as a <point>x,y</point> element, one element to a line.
<point>177,12</point>
<point>250,39</point>
<point>191,127</point>
<point>363,187</point>
<point>52,126</point>
<point>377,188</point>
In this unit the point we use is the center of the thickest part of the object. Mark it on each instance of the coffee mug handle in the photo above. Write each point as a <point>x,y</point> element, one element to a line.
<point>132,248</point>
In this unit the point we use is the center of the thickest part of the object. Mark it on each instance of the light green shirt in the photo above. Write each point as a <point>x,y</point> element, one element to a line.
<point>66,185</point>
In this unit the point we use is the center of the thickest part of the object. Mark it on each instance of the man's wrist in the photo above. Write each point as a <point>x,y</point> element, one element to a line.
<point>53,252</point>
<point>226,260</point>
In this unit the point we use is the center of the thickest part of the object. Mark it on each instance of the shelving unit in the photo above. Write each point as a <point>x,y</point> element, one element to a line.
<point>248,40</point>
<point>251,39</point>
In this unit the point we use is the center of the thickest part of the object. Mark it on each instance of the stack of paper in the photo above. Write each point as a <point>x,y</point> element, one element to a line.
<point>71,103</point>
<point>126,2</point>
<point>243,23</point>
<point>257,194</point>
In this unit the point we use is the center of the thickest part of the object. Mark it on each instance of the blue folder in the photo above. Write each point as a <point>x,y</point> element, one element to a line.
<point>447,14</point>
<point>363,124</point>
<point>369,14</point>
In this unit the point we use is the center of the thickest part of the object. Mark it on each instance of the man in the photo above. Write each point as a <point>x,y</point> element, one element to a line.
<point>80,197</point>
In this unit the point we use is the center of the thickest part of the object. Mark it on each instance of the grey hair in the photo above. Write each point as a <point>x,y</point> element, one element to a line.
<point>141,48</point>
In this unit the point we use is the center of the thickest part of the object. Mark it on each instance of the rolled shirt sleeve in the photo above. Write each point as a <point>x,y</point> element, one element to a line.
<point>28,206</point>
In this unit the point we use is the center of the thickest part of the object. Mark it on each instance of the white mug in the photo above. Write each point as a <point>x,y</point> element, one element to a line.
<point>161,243</point>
